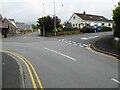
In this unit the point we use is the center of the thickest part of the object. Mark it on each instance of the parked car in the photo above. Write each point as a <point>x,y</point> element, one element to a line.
<point>98,28</point>
<point>87,29</point>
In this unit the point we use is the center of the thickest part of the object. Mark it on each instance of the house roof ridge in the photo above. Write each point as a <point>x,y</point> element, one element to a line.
<point>92,17</point>
<point>13,23</point>
<point>90,14</point>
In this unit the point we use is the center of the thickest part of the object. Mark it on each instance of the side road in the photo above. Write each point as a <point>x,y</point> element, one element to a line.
<point>106,45</point>
<point>11,77</point>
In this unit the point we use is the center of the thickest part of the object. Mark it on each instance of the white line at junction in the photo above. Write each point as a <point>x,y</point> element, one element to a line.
<point>60,54</point>
<point>115,80</point>
<point>86,38</point>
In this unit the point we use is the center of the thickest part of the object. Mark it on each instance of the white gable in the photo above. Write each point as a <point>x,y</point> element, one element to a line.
<point>75,19</point>
<point>13,23</point>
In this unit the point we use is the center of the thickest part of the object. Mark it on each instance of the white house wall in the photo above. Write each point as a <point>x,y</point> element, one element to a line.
<point>78,22</point>
<point>75,22</point>
<point>98,23</point>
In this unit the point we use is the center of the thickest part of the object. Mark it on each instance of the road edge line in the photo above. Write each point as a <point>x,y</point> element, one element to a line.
<point>90,48</point>
<point>21,71</point>
<point>20,68</point>
<point>35,73</point>
<point>28,68</point>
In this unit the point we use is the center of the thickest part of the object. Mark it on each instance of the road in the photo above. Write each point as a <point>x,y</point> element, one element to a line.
<point>65,61</point>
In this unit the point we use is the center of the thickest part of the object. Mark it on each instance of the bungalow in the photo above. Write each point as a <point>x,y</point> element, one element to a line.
<point>80,20</point>
<point>3,27</point>
<point>12,26</point>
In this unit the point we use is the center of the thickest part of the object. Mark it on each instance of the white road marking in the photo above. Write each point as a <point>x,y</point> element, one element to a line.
<point>24,37</point>
<point>85,45</point>
<point>81,46</point>
<point>79,43</point>
<point>60,54</point>
<point>85,38</point>
<point>69,43</point>
<point>75,44</point>
<point>66,42</point>
<point>115,80</point>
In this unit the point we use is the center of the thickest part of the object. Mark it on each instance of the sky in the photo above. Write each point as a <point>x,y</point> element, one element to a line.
<point>29,11</point>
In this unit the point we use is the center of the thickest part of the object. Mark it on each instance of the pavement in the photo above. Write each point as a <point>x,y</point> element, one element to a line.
<point>10,72</point>
<point>106,45</point>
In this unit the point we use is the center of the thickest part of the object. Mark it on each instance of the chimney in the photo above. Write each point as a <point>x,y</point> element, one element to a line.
<point>84,12</point>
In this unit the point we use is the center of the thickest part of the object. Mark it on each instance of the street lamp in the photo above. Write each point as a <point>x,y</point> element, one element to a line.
<point>43,9</point>
<point>54,19</point>
<point>44,32</point>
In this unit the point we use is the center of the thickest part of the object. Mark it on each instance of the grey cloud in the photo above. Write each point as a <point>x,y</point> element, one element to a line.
<point>30,10</point>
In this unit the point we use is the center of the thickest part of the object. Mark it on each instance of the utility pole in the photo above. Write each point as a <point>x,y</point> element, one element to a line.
<point>43,9</point>
<point>44,32</point>
<point>54,18</point>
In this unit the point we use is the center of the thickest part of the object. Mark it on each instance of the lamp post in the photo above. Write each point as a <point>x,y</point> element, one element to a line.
<point>44,32</point>
<point>43,9</point>
<point>54,19</point>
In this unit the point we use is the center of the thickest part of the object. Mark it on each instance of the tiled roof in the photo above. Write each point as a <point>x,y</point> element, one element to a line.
<point>12,21</point>
<point>20,25</point>
<point>90,17</point>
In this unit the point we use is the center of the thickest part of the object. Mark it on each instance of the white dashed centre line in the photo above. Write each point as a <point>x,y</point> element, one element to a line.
<point>60,54</point>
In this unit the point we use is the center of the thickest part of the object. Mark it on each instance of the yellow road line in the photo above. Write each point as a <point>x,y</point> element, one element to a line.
<point>88,47</point>
<point>30,73</point>
<point>39,82</point>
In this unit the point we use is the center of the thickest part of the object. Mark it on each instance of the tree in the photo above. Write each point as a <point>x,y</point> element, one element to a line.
<point>33,26</point>
<point>47,23</point>
<point>116,18</point>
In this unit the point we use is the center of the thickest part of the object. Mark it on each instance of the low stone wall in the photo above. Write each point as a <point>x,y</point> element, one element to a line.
<point>63,33</point>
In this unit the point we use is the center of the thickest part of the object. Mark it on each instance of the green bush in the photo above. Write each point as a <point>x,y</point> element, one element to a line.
<point>59,29</point>
<point>69,28</point>
<point>87,29</point>
<point>106,29</point>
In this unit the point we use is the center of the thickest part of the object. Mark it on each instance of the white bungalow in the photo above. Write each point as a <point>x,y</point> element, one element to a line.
<point>80,20</point>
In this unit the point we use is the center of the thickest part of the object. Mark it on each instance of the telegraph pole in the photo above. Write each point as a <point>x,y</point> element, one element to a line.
<point>54,18</point>
<point>44,31</point>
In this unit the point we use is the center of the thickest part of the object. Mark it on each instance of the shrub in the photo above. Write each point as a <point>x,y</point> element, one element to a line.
<point>106,29</point>
<point>87,29</point>
<point>59,29</point>
<point>69,28</point>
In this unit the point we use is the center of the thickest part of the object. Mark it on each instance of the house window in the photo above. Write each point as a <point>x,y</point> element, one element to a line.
<point>91,17</point>
<point>73,25</point>
<point>109,24</point>
<point>101,18</point>
<point>103,24</point>
<point>79,26</point>
<point>74,17</point>
<point>76,25</point>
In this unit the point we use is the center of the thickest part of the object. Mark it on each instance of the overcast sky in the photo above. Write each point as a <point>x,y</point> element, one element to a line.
<point>29,11</point>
